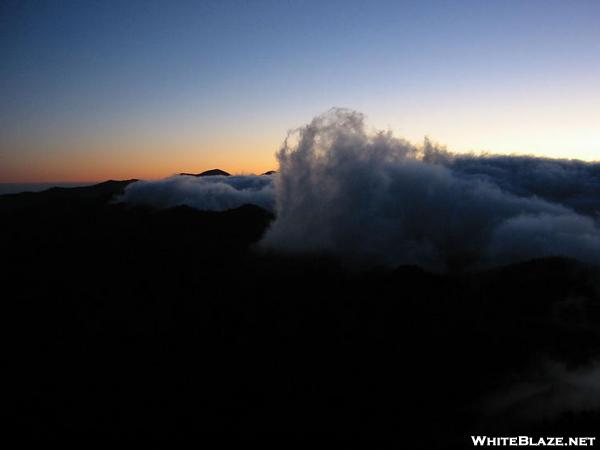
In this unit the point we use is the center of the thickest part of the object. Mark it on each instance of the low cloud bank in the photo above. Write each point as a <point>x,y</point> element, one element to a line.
<point>575,184</point>
<point>371,197</point>
<point>212,193</point>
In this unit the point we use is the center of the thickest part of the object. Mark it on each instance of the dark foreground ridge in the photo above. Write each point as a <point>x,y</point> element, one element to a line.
<point>134,323</point>
<point>208,173</point>
<point>97,195</point>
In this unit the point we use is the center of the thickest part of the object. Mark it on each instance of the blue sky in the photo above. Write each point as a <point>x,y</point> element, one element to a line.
<point>99,89</point>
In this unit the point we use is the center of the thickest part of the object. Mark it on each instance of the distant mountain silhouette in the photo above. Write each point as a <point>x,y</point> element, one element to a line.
<point>270,172</point>
<point>207,173</point>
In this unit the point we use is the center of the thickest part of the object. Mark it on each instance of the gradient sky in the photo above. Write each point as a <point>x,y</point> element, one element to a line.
<point>92,90</point>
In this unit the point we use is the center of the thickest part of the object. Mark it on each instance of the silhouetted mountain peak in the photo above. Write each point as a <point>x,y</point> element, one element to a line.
<point>207,173</point>
<point>270,172</point>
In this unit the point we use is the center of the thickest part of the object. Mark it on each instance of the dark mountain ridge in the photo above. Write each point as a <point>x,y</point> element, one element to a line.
<point>96,194</point>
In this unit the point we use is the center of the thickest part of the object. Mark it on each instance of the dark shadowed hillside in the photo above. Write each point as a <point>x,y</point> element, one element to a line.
<point>55,198</point>
<point>133,322</point>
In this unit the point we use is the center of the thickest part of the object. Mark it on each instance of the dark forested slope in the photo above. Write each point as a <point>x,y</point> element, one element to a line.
<point>133,322</point>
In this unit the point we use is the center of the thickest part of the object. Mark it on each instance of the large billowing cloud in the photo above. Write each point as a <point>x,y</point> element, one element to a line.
<point>370,197</point>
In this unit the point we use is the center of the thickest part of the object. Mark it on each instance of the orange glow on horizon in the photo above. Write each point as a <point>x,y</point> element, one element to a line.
<point>97,175</point>
<point>154,153</point>
<point>139,161</point>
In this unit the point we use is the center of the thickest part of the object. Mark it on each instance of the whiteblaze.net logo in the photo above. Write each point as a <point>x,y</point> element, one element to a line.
<point>528,441</point>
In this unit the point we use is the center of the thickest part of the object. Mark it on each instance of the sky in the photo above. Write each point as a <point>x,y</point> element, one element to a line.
<point>92,90</point>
